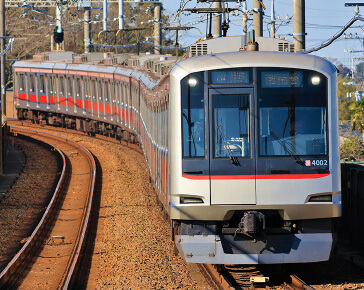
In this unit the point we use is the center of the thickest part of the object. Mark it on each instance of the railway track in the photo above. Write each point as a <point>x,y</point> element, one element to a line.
<point>49,257</point>
<point>229,277</point>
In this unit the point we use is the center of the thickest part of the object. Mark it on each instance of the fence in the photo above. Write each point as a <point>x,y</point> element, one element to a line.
<point>352,220</point>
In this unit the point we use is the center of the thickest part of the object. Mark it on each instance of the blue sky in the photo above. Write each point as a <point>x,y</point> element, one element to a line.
<point>323,19</point>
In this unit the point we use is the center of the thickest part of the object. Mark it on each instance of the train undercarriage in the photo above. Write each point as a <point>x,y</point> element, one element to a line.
<point>85,125</point>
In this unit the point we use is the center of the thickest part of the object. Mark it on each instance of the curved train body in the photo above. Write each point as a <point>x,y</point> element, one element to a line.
<point>242,146</point>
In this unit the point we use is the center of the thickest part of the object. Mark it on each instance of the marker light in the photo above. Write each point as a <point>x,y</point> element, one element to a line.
<point>192,82</point>
<point>321,198</point>
<point>315,81</point>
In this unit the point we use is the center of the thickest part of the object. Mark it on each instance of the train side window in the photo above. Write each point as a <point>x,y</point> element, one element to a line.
<point>107,91</point>
<point>21,82</point>
<point>61,85</point>
<point>70,88</point>
<point>193,116</point>
<point>31,83</point>
<point>93,86</point>
<point>41,83</point>
<point>50,78</point>
<point>78,86</point>
<point>100,86</point>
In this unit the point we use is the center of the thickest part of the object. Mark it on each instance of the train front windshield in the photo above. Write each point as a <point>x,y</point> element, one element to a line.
<point>292,112</point>
<point>285,108</point>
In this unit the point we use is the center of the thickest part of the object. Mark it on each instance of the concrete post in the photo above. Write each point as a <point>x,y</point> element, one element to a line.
<point>245,18</point>
<point>157,27</point>
<point>258,18</point>
<point>87,29</point>
<point>299,25</point>
<point>217,20</point>
<point>105,15</point>
<point>121,14</point>
<point>272,22</point>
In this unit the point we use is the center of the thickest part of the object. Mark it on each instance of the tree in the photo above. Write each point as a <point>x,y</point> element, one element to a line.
<point>359,71</point>
<point>345,103</point>
<point>343,71</point>
<point>352,148</point>
<point>33,29</point>
<point>357,117</point>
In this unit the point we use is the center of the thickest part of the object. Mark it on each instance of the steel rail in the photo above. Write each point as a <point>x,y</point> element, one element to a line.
<point>297,283</point>
<point>67,277</point>
<point>13,265</point>
<point>86,218</point>
<point>214,275</point>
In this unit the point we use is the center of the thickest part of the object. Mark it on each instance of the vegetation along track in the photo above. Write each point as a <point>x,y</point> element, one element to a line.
<point>49,256</point>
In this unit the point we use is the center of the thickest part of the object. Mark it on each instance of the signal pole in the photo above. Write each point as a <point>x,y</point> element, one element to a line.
<point>59,24</point>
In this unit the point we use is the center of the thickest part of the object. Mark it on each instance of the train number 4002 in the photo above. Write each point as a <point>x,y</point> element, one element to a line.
<point>319,162</point>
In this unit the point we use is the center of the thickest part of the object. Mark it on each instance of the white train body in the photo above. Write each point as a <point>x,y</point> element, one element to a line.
<point>242,146</point>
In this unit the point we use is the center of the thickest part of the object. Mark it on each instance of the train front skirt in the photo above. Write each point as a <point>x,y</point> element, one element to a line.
<point>276,249</point>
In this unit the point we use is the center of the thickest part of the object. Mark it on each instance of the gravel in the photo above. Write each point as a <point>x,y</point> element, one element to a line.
<point>26,201</point>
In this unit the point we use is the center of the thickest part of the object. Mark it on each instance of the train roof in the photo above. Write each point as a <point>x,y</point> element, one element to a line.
<point>203,55</point>
<point>252,59</point>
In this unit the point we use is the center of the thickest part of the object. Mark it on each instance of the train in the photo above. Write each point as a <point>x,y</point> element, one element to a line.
<point>241,141</point>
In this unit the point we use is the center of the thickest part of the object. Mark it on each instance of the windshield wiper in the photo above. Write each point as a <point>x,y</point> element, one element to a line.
<point>190,125</point>
<point>294,156</point>
<point>233,159</point>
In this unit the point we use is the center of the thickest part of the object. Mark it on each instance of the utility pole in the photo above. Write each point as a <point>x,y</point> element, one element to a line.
<point>177,29</point>
<point>217,20</point>
<point>3,80</point>
<point>121,14</point>
<point>87,29</point>
<point>299,25</point>
<point>245,18</point>
<point>105,15</point>
<point>258,18</point>
<point>273,22</point>
<point>157,28</point>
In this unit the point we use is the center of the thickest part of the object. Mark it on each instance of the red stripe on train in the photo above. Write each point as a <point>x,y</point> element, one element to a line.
<point>242,177</point>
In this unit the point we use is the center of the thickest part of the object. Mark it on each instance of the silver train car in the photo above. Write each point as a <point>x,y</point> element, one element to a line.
<point>242,146</point>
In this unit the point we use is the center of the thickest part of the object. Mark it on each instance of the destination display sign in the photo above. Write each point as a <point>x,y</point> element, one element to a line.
<point>282,79</point>
<point>219,77</point>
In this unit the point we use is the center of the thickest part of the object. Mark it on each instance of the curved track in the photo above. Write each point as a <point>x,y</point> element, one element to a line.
<point>50,255</point>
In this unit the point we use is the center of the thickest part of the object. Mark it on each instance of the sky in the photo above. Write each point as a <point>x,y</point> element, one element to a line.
<point>324,18</point>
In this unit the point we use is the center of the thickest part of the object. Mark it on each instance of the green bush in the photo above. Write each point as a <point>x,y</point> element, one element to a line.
<point>352,148</point>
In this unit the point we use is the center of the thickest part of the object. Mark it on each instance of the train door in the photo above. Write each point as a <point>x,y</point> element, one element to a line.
<point>232,155</point>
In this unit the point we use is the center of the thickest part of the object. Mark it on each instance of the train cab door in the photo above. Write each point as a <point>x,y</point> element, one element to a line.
<point>231,144</point>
